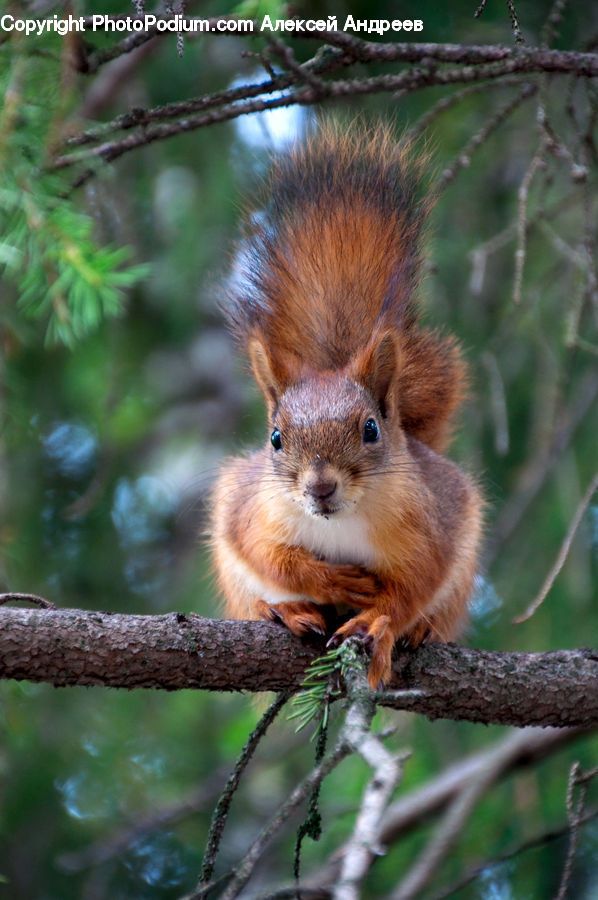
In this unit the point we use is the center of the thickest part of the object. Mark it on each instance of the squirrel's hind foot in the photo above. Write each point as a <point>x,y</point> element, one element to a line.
<point>299,616</point>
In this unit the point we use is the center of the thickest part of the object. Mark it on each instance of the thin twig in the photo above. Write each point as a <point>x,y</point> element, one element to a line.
<point>245,868</point>
<point>519,39</point>
<point>524,187</point>
<point>479,256</point>
<point>106,54</point>
<point>540,840</point>
<point>475,142</point>
<point>498,403</point>
<point>583,777</point>
<point>575,813</point>
<point>553,20</point>
<point>589,244</point>
<point>480,9</point>
<point>451,827</point>
<point>220,813</point>
<point>557,146</point>
<point>561,246</point>
<point>303,73</point>
<point>18,597</point>
<point>541,464</point>
<point>446,103</point>
<point>562,554</point>
<point>586,345</point>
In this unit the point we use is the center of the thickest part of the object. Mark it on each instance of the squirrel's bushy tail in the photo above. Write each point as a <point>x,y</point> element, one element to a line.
<point>333,260</point>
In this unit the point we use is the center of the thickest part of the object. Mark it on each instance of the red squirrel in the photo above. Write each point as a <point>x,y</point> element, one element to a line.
<point>350,502</point>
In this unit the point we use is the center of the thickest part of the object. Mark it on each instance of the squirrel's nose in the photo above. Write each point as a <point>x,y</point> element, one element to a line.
<point>321,488</point>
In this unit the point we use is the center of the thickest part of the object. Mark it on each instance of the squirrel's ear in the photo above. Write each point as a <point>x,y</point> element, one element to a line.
<point>378,369</point>
<point>271,382</point>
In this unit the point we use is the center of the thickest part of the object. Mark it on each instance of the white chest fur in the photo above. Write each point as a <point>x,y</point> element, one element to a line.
<point>341,538</point>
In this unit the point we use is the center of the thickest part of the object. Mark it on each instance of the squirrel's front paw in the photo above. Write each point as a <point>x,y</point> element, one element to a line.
<point>378,638</point>
<point>299,616</point>
<point>354,586</point>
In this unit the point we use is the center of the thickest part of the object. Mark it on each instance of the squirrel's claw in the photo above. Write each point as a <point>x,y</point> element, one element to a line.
<point>299,616</point>
<point>375,632</point>
<point>418,635</point>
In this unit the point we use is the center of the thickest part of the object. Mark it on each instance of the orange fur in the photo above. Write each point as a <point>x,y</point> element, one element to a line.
<point>355,507</point>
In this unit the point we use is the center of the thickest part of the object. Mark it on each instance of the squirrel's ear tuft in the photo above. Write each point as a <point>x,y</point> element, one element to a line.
<point>378,369</point>
<point>271,380</point>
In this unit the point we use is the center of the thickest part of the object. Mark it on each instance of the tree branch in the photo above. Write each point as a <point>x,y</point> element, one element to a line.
<point>516,750</point>
<point>175,651</point>
<point>220,813</point>
<point>529,59</point>
<point>456,817</point>
<point>388,771</point>
<point>427,69</point>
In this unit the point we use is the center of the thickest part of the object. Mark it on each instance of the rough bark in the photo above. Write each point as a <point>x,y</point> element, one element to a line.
<point>174,651</point>
<point>524,59</point>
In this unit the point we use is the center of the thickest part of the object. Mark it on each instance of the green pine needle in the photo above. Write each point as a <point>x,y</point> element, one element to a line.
<point>314,700</point>
<point>48,249</point>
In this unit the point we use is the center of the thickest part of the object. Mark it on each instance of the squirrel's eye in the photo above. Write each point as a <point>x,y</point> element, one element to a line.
<point>371,432</point>
<point>276,439</point>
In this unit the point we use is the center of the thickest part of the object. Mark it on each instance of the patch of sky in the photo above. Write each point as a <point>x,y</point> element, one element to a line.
<point>176,194</point>
<point>85,798</point>
<point>90,746</point>
<point>271,129</point>
<point>159,860</point>
<point>485,604</point>
<point>496,885</point>
<point>152,765</point>
<point>71,447</point>
<point>139,511</point>
<point>140,508</point>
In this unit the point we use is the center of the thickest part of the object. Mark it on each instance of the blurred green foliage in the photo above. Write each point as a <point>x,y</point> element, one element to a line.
<point>108,447</point>
<point>47,247</point>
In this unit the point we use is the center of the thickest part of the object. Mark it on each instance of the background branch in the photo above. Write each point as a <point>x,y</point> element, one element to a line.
<point>305,86</point>
<point>516,750</point>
